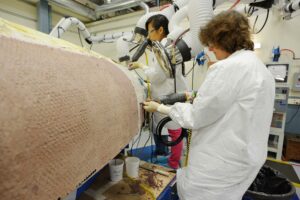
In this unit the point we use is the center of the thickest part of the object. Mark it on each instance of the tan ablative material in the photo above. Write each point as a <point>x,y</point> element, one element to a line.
<point>64,113</point>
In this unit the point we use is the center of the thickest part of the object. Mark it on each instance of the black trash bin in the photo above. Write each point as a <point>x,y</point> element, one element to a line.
<point>270,184</point>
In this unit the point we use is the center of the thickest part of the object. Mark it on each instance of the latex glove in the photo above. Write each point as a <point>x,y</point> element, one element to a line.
<point>190,96</point>
<point>151,106</point>
<point>135,65</point>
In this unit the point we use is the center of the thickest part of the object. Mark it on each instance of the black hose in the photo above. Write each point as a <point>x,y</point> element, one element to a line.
<point>139,52</point>
<point>159,128</point>
<point>172,98</point>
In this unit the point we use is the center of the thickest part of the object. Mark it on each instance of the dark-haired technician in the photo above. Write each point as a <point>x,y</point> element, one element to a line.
<point>161,84</point>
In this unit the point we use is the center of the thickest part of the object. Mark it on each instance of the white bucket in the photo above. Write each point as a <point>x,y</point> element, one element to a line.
<point>132,166</point>
<point>116,169</point>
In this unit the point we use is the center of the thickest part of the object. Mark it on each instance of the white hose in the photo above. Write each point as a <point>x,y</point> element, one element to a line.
<point>142,21</point>
<point>293,6</point>
<point>200,12</point>
<point>181,3</point>
<point>122,46</point>
<point>110,37</point>
<point>64,24</point>
<point>168,12</point>
<point>144,6</point>
<point>174,24</point>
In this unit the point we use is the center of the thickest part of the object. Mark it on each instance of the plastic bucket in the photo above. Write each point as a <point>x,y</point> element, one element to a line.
<point>132,166</point>
<point>116,169</point>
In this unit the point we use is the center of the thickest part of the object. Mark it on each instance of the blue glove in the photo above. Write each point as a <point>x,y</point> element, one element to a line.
<point>200,58</point>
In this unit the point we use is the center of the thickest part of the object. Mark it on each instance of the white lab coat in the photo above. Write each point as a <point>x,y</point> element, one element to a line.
<point>162,85</point>
<point>230,119</point>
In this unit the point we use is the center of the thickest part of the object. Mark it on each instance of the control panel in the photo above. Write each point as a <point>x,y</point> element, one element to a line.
<point>296,82</point>
<point>281,99</point>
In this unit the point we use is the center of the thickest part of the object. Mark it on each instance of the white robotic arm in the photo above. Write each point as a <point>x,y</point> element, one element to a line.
<point>292,6</point>
<point>199,12</point>
<point>289,7</point>
<point>64,24</point>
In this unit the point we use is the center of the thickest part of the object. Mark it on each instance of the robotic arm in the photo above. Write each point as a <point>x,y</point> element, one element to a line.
<point>289,7</point>
<point>292,6</point>
<point>64,24</point>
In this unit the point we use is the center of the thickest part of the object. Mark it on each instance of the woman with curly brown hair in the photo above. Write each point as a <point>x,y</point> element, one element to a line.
<point>230,117</point>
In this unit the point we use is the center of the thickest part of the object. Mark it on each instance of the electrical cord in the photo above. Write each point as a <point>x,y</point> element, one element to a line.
<point>253,29</point>
<point>58,34</point>
<point>265,22</point>
<point>80,37</point>
<point>141,151</point>
<point>194,64</point>
<point>291,51</point>
<point>177,39</point>
<point>193,76</point>
<point>172,63</point>
<point>134,47</point>
<point>250,10</point>
<point>191,70</point>
<point>139,136</point>
<point>139,76</point>
<point>236,3</point>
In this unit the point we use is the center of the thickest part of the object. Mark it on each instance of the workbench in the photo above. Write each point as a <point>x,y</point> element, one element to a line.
<point>150,185</point>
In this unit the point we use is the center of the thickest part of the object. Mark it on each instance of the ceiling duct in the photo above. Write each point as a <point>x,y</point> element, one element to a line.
<point>114,6</point>
<point>76,7</point>
<point>91,3</point>
<point>94,9</point>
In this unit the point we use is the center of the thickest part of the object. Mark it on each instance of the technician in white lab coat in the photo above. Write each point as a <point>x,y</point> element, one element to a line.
<point>162,84</point>
<point>230,117</point>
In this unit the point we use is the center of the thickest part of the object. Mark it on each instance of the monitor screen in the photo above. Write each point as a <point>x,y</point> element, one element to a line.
<point>279,71</point>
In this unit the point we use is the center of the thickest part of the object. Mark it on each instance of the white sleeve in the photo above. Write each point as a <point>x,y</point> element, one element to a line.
<point>214,98</point>
<point>164,109</point>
